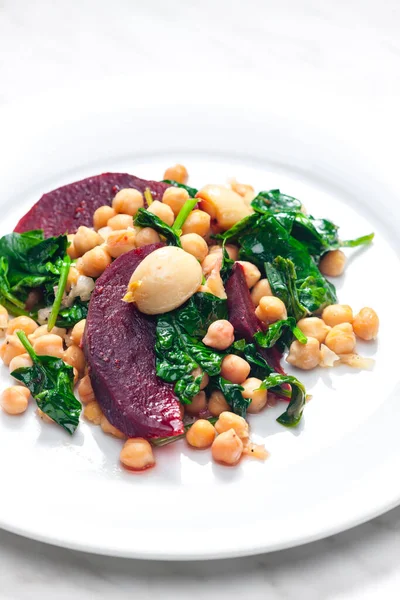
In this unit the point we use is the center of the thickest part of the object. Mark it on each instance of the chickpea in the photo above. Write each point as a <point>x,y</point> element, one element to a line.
<point>210,262</point>
<point>3,318</point>
<point>332,263</point>
<point>223,204</point>
<point>304,356</point>
<point>72,279</point>
<point>197,222</point>
<point>234,368</point>
<point>108,428</point>
<point>95,262</point>
<point>120,222</point>
<point>205,379</point>
<point>251,273</point>
<point>261,289</point>
<point>336,314</point>
<point>74,356</point>
<point>71,250</point>
<point>366,324</point>
<point>201,434</point>
<point>175,198</point>
<point>10,349</point>
<point>77,332</point>
<point>341,339</point>
<point>105,232</point>
<point>22,360</point>
<point>127,201</point>
<point>85,239</point>
<point>217,403</point>
<point>177,173</point>
<point>76,375</point>
<point>228,420</point>
<point>85,390</point>
<point>120,242</point>
<point>258,397</point>
<point>93,413</point>
<point>49,345</point>
<point>164,280</point>
<point>137,454</point>
<point>227,448</point>
<point>195,245</point>
<point>199,403</point>
<point>102,215</point>
<point>162,211</point>
<point>146,236</point>
<point>314,327</point>
<point>246,191</point>
<point>14,399</point>
<point>43,330</point>
<point>220,335</point>
<point>25,324</point>
<point>271,309</point>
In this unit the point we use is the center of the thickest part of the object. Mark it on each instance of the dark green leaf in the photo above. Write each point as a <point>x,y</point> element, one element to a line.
<point>275,331</point>
<point>281,276</point>
<point>144,218</point>
<point>179,349</point>
<point>64,271</point>
<point>68,317</point>
<point>273,201</point>
<point>292,415</point>
<point>51,383</point>
<point>190,190</point>
<point>232,393</point>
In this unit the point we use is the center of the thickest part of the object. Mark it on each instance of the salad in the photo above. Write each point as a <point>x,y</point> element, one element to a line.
<point>172,310</point>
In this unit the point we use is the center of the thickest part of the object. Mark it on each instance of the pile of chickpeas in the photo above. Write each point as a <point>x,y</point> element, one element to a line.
<point>114,234</point>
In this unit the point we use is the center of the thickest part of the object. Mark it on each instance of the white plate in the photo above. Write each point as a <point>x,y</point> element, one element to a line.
<point>340,467</point>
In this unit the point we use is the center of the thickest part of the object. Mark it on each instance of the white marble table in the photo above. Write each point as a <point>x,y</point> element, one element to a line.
<point>343,45</point>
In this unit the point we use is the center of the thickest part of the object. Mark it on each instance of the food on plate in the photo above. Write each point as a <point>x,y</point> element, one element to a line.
<point>171,309</point>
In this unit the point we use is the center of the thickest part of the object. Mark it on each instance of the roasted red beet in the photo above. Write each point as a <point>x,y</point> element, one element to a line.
<point>243,317</point>
<point>66,208</point>
<point>119,348</point>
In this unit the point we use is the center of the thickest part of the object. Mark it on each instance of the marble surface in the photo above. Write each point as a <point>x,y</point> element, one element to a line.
<point>346,46</point>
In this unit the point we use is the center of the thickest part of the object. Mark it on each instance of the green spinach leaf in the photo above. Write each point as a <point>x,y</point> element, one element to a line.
<point>232,393</point>
<point>285,329</point>
<point>179,349</point>
<point>292,415</point>
<point>281,276</point>
<point>144,218</point>
<point>51,382</point>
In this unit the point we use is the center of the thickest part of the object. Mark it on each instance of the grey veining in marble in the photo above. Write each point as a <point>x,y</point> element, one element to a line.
<point>350,45</point>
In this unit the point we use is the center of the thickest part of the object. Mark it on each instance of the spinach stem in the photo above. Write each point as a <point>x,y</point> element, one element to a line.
<point>60,292</point>
<point>183,214</point>
<point>364,239</point>
<point>26,344</point>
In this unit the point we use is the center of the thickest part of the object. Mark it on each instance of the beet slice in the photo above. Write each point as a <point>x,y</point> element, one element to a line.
<point>63,210</point>
<point>243,317</point>
<point>119,348</point>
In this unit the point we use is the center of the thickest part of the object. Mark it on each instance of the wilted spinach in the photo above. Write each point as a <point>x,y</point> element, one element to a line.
<point>144,218</point>
<point>232,393</point>
<point>294,411</point>
<point>179,349</point>
<point>51,382</point>
<point>283,330</point>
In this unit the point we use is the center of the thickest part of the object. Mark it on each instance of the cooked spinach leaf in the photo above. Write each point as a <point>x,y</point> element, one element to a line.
<point>232,393</point>
<point>259,366</point>
<point>284,329</point>
<point>144,218</point>
<point>190,190</point>
<point>292,415</point>
<point>29,261</point>
<point>179,349</point>
<point>68,317</point>
<point>281,276</point>
<point>273,201</point>
<point>51,382</point>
